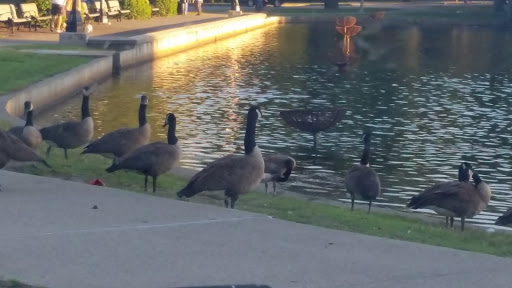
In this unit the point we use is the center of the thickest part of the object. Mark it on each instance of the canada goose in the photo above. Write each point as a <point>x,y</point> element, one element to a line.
<point>465,172</point>
<point>235,174</point>
<point>30,135</point>
<point>153,159</point>
<point>12,148</point>
<point>505,219</point>
<point>455,198</point>
<point>278,168</point>
<point>362,179</point>
<point>17,130</point>
<point>71,134</point>
<point>122,141</point>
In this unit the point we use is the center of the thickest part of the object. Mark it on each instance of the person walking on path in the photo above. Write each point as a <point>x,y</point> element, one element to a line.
<point>57,11</point>
<point>199,4</point>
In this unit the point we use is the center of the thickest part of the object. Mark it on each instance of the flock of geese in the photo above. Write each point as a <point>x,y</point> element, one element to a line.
<point>234,174</point>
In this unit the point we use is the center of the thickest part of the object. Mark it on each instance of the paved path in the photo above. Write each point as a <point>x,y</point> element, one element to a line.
<point>51,236</point>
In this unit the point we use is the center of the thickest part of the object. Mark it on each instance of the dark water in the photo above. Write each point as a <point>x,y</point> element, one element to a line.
<point>433,97</point>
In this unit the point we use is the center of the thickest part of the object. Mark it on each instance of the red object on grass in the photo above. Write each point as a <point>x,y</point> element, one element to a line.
<point>97,182</point>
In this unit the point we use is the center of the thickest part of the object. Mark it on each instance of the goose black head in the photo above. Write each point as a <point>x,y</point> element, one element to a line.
<point>87,91</point>
<point>170,119</point>
<point>255,109</point>
<point>143,99</point>
<point>465,172</point>
<point>27,106</point>
<point>366,138</point>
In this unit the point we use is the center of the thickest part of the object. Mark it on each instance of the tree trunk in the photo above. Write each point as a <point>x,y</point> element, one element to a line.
<point>331,4</point>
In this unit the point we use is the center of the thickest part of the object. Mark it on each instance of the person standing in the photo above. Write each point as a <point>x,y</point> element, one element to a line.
<point>57,11</point>
<point>199,4</point>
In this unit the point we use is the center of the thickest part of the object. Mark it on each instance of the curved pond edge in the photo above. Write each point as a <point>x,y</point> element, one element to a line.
<point>145,48</point>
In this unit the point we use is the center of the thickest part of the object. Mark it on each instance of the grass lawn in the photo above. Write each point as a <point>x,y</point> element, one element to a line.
<point>84,168</point>
<point>19,69</point>
<point>15,284</point>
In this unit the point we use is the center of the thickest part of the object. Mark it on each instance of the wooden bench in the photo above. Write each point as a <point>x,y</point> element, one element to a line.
<point>8,16</point>
<point>154,10</point>
<point>29,10</point>
<point>114,6</point>
<point>89,15</point>
<point>106,11</point>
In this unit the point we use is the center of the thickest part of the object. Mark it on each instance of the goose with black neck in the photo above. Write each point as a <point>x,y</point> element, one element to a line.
<point>118,143</point>
<point>71,134</point>
<point>153,159</point>
<point>362,180</point>
<point>233,174</point>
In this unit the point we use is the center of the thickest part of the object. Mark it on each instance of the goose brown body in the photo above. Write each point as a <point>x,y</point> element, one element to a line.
<point>455,198</point>
<point>153,159</point>
<point>234,174</point>
<point>362,180</point>
<point>70,134</point>
<point>119,142</point>
<point>278,168</point>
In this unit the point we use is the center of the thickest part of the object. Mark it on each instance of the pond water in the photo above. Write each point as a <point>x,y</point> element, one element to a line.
<point>433,97</point>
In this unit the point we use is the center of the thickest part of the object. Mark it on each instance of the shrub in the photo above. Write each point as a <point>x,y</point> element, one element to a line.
<point>139,9</point>
<point>43,6</point>
<point>167,7</point>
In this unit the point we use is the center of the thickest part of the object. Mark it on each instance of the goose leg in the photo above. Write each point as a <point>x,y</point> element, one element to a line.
<point>446,220</point>
<point>451,221</point>
<point>234,197</point>
<point>274,182</point>
<point>146,183</point>
<point>226,201</point>
<point>48,151</point>
<point>66,153</point>
<point>369,206</point>
<point>154,184</point>
<point>352,206</point>
<point>266,188</point>
<point>462,220</point>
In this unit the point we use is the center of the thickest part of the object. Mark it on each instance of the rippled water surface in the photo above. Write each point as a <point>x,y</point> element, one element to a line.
<point>432,97</point>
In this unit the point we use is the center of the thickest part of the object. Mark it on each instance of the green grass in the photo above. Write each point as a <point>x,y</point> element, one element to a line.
<point>84,168</point>
<point>19,69</point>
<point>15,284</point>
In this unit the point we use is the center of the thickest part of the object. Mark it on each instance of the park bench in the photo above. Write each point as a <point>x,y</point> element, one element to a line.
<point>89,15</point>
<point>106,10</point>
<point>29,10</point>
<point>114,6</point>
<point>8,16</point>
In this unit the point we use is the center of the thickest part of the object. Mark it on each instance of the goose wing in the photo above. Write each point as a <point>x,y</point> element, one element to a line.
<point>13,148</point>
<point>275,164</point>
<point>362,180</point>
<point>148,157</point>
<point>116,140</point>
<point>60,131</point>
<point>453,196</point>
<point>222,173</point>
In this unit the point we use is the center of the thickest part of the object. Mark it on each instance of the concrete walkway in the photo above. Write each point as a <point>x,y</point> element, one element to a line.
<point>51,236</point>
